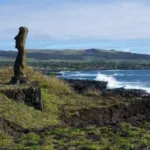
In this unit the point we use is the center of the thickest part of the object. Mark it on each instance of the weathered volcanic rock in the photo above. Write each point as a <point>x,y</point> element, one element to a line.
<point>30,95</point>
<point>128,93</point>
<point>82,85</point>
<point>136,111</point>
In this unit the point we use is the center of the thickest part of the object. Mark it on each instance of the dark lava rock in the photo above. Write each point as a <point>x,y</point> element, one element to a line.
<point>82,85</point>
<point>128,93</point>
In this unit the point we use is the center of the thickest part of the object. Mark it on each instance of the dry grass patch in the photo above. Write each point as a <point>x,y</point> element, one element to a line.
<point>5,74</point>
<point>52,84</point>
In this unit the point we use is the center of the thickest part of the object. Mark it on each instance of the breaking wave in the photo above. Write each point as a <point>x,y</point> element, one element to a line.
<point>114,83</point>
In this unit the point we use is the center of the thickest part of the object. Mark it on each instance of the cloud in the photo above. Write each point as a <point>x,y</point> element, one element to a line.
<point>119,20</point>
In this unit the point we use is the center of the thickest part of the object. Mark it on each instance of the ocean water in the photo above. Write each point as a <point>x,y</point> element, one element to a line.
<point>128,79</point>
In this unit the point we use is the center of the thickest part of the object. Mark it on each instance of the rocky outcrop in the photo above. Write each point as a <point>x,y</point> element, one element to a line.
<point>31,95</point>
<point>131,105</point>
<point>135,111</point>
<point>135,114</point>
<point>82,85</point>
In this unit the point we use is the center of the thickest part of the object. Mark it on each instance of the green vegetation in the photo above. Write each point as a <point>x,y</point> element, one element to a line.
<point>89,59</point>
<point>5,139</point>
<point>62,65</point>
<point>93,138</point>
<point>47,130</point>
<point>89,54</point>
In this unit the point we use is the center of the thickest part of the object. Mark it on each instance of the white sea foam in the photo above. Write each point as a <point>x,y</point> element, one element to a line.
<point>113,83</point>
<point>137,87</point>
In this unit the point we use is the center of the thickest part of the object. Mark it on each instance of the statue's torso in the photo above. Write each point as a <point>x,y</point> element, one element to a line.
<point>19,42</point>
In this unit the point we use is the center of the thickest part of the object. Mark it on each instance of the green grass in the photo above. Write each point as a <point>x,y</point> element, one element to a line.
<point>5,139</point>
<point>27,117</point>
<point>126,137</point>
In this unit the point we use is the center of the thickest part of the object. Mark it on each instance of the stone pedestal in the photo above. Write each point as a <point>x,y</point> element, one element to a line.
<point>19,80</point>
<point>29,94</point>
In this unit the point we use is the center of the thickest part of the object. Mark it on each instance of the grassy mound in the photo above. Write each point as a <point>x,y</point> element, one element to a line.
<point>46,129</point>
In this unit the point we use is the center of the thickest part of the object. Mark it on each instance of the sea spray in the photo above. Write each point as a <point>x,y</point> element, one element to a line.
<point>112,82</point>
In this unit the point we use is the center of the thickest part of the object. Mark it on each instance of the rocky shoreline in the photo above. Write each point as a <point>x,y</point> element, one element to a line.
<point>136,111</point>
<point>82,85</point>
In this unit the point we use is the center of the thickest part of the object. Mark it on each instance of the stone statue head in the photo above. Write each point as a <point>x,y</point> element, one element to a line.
<point>21,37</point>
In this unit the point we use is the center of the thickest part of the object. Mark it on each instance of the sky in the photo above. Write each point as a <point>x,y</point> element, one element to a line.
<point>77,24</point>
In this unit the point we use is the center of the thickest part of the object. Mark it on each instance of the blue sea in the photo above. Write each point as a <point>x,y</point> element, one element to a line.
<point>128,79</point>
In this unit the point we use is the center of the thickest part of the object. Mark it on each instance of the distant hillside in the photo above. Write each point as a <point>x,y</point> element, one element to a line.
<point>89,54</point>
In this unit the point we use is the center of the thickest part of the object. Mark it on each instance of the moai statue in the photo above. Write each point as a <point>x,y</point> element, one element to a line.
<point>20,62</point>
